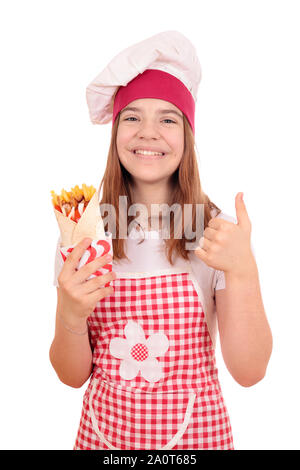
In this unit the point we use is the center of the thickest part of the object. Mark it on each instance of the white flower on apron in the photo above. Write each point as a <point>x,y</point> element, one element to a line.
<point>139,354</point>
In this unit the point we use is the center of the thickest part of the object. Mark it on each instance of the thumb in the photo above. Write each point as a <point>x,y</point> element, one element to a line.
<point>241,211</point>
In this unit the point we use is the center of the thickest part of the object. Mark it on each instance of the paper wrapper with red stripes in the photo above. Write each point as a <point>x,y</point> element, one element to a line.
<point>97,248</point>
<point>89,225</point>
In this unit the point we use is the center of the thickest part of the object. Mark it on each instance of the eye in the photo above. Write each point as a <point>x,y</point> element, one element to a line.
<point>131,117</point>
<point>170,120</point>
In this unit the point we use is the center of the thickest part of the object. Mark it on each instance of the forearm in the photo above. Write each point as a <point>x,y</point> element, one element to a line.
<point>245,335</point>
<point>70,353</point>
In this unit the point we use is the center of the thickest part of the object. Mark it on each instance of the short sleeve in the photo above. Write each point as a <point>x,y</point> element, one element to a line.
<point>219,280</point>
<point>58,264</point>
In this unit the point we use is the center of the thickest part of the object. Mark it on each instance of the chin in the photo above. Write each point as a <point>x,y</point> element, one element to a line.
<point>153,180</point>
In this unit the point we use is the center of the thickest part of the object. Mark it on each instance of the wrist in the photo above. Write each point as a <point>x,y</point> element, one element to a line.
<point>245,271</point>
<point>71,322</point>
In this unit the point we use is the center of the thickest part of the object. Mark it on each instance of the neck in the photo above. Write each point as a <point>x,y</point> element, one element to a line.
<point>151,193</point>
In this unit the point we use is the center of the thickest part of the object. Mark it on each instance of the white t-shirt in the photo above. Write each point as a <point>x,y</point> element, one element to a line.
<point>150,256</point>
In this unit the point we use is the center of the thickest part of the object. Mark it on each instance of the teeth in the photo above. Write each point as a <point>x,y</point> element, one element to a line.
<point>146,152</point>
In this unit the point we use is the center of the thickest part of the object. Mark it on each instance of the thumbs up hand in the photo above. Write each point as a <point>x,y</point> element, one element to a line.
<point>226,246</point>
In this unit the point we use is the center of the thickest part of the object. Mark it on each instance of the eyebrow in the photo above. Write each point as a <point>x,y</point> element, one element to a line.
<point>160,111</point>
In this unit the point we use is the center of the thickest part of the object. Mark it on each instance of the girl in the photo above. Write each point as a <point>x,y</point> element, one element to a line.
<point>148,342</point>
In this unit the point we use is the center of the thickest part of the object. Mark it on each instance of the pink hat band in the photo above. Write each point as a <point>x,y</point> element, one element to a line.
<point>156,84</point>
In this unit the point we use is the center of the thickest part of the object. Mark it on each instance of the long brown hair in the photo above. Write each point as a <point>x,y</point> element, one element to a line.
<point>117,181</point>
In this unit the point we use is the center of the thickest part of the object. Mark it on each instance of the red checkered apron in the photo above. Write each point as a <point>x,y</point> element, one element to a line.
<point>154,383</point>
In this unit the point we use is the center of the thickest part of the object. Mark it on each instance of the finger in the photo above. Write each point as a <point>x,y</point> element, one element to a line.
<point>241,211</point>
<point>204,243</point>
<point>209,233</point>
<point>97,282</point>
<point>99,294</point>
<point>85,271</point>
<point>74,257</point>
<point>217,223</point>
<point>201,254</point>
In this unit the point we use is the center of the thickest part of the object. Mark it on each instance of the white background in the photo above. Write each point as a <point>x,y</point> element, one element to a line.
<point>247,134</point>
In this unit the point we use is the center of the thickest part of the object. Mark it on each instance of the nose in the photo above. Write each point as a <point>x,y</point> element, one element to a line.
<point>148,130</point>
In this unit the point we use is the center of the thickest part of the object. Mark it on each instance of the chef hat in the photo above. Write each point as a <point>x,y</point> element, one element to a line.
<point>164,66</point>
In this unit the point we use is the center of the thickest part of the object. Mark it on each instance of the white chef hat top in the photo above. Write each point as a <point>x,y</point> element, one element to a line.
<point>168,51</point>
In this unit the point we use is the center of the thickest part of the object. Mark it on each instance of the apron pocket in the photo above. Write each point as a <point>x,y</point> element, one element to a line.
<point>125,420</point>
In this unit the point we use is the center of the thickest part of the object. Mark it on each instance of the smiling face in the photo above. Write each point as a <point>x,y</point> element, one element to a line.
<point>153,125</point>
